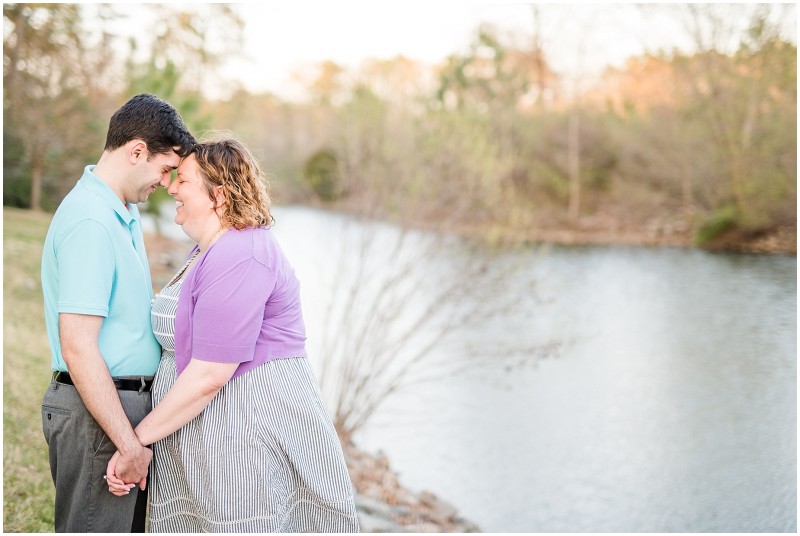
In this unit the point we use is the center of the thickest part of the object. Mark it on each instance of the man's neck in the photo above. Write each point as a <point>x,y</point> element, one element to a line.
<point>107,170</point>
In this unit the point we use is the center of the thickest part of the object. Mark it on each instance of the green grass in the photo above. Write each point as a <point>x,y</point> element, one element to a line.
<point>28,492</point>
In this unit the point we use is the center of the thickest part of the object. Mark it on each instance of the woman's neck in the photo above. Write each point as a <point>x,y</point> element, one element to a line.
<point>208,240</point>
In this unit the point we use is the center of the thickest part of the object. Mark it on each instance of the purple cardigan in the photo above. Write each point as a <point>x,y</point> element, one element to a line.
<point>240,303</point>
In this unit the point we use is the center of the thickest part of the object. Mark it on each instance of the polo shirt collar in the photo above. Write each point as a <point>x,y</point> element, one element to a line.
<point>94,184</point>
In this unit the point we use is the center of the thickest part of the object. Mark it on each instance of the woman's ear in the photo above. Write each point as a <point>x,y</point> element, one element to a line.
<point>219,197</point>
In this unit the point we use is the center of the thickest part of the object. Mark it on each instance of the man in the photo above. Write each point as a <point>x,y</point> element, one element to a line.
<point>97,295</point>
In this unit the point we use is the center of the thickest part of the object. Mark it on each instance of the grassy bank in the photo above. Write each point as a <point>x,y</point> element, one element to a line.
<point>28,489</point>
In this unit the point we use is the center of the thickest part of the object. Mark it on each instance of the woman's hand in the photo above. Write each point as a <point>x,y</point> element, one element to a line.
<point>115,485</point>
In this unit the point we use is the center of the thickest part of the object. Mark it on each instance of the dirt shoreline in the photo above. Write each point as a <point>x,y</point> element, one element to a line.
<point>599,230</point>
<point>777,241</point>
<point>781,241</point>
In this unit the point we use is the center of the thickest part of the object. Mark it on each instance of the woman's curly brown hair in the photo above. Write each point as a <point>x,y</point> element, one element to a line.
<point>230,165</point>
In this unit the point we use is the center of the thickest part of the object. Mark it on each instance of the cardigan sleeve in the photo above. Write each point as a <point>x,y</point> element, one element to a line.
<point>229,312</point>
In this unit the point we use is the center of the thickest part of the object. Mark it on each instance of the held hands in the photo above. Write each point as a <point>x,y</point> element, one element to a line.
<point>127,468</point>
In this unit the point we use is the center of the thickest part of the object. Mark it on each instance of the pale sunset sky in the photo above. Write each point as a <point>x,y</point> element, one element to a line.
<point>282,37</point>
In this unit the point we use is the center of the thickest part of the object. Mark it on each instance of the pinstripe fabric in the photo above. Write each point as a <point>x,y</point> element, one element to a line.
<point>262,457</point>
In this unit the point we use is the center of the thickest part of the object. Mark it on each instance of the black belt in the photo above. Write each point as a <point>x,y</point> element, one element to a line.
<point>123,384</point>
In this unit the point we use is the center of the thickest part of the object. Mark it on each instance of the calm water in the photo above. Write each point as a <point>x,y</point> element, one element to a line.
<point>671,405</point>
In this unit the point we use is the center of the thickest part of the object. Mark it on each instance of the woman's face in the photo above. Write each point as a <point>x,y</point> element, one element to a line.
<point>195,211</point>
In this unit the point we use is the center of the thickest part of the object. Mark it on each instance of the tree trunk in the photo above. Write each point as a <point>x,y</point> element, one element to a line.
<point>11,80</point>
<point>36,181</point>
<point>687,196</point>
<point>574,164</point>
<point>538,58</point>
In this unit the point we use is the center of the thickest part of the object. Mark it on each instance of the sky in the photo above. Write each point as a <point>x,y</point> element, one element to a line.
<point>280,38</point>
<point>580,40</point>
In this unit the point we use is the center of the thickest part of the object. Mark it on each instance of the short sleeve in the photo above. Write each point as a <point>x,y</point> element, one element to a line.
<point>85,260</point>
<point>229,313</point>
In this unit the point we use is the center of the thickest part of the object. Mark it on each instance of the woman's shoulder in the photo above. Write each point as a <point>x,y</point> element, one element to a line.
<point>239,245</point>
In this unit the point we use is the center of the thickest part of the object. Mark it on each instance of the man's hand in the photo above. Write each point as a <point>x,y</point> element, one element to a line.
<point>115,485</point>
<point>133,467</point>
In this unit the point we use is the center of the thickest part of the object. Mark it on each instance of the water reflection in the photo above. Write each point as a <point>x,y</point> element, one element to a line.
<point>675,409</point>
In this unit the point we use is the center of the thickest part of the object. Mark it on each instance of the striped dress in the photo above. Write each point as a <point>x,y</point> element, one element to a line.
<point>263,456</point>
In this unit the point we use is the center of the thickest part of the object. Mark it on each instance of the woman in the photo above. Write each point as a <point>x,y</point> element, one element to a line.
<point>241,438</point>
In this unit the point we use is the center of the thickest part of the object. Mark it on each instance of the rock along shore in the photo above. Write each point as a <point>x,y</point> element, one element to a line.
<point>385,505</point>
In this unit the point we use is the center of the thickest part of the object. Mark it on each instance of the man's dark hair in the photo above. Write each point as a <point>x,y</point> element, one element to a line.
<point>146,117</point>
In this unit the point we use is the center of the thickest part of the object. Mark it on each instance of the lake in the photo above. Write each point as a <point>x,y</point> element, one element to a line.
<point>668,405</point>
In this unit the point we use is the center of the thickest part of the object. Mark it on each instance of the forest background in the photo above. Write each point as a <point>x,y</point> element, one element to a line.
<point>497,140</point>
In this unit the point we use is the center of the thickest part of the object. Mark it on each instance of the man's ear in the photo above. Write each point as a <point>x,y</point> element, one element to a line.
<point>137,151</point>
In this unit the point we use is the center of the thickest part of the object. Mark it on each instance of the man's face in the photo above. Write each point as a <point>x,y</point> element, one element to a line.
<point>149,173</point>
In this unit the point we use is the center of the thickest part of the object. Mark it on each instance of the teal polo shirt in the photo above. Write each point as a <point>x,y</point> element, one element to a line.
<point>94,263</point>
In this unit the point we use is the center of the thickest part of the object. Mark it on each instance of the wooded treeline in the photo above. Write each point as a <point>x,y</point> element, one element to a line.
<point>493,140</point>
